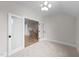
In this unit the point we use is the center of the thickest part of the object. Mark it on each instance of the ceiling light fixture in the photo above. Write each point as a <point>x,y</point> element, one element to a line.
<point>49,5</point>
<point>45,3</point>
<point>45,6</point>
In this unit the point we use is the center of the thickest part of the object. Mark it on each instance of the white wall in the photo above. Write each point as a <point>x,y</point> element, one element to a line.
<point>3,33</point>
<point>60,28</point>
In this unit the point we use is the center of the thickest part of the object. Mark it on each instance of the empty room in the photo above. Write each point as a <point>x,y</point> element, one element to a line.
<point>39,28</point>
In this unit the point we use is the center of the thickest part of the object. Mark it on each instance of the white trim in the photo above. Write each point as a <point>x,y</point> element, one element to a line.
<point>60,42</point>
<point>12,14</point>
<point>23,32</point>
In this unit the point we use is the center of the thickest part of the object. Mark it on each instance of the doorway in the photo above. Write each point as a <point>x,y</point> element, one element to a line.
<point>31,32</point>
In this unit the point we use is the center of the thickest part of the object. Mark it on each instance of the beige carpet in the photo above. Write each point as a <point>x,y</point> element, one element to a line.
<point>47,49</point>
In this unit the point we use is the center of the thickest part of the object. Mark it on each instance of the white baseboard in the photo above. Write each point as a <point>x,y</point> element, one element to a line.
<point>60,42</point>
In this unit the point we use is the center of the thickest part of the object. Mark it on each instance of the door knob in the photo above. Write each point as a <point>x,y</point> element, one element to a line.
<point>9,36</point>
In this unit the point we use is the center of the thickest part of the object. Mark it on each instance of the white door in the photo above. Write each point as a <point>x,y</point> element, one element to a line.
<point>41,31</point>
<point>16,33</point>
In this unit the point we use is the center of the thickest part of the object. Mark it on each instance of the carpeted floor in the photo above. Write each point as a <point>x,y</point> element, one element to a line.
<point>47,49</point>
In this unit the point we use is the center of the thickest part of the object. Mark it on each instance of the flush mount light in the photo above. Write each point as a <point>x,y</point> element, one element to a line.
<point>49,5</point>
<point>45,3</point>
<point>45,6</point>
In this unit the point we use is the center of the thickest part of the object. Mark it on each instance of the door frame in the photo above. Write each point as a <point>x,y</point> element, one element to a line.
<point>8,41</point>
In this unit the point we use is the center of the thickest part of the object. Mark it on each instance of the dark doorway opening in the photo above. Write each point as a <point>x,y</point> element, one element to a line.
<point>31,32</point>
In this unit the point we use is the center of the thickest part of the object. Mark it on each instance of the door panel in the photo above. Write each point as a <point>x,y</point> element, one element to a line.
<point>16,32</point>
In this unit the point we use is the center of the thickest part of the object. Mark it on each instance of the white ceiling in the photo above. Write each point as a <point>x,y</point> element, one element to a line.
<point>68,7</point>
<point>71,7</point>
